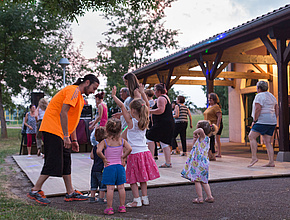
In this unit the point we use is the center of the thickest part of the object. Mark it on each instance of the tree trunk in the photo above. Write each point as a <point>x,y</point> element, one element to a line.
<point>2,117</point>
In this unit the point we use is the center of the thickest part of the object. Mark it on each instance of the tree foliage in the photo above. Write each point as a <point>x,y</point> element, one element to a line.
<point>70,9</point>
<point>32,41</point>
<point>132,38</point>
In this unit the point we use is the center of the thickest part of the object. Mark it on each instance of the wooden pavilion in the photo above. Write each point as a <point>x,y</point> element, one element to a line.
<point>256,50</point>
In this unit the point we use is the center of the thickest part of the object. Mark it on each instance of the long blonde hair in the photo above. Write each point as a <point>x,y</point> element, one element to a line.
<point>43,103</point>
<point>143,112</point>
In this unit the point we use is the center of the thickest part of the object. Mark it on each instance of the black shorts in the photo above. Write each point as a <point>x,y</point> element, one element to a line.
<point>57,158</point>
<point>220,130</point>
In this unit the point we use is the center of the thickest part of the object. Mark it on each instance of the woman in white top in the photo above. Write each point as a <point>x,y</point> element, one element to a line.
<point>264,113</point>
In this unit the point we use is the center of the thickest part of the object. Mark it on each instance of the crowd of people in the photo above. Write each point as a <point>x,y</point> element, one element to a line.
<point>125,145</point>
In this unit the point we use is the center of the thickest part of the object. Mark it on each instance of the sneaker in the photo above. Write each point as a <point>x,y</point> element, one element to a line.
<point>75,196</point>
<point>101,201</point>
<point>38,197</point>
<point>92,200</point>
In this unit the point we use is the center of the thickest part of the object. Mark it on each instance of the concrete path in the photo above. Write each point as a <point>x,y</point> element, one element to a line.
<point>224,169</point>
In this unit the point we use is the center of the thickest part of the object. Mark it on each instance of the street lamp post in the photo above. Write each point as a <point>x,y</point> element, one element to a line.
<point>63,62</point>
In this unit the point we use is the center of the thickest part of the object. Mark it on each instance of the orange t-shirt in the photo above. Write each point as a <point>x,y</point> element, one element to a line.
<point>70,95</point>
<point>210,114</point>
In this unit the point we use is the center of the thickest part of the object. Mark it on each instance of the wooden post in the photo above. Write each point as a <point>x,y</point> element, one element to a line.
<point>283,97</point>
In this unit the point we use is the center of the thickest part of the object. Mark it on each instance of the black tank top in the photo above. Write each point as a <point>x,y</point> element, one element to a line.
<point>166,115</point>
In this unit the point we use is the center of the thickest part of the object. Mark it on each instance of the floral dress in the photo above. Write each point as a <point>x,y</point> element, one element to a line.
<point>196,166</point>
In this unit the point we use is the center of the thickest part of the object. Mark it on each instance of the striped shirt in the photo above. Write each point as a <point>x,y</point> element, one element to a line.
<point>183,113</point>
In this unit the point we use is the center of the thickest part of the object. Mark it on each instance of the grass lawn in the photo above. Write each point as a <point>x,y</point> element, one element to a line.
<point>15,208</point>
<point>196,118</point>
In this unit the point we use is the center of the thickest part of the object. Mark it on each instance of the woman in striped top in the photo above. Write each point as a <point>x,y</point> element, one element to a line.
<point>181,122</point>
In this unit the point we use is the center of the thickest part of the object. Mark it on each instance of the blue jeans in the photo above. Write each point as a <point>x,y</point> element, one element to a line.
<point>96,181</point>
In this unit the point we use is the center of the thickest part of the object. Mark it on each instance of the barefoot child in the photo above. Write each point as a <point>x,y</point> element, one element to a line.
<point>196,167</point>
<point>114,162</point>
<point>97,168</point>
<point>141,166</point>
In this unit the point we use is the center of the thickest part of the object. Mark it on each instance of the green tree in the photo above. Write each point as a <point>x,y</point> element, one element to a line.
<point>70,9</point>
<point>32,41</point>
<point>132,38</point>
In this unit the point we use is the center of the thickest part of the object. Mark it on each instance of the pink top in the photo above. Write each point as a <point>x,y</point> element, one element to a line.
<point>104,118</point>
<point>113,153</point>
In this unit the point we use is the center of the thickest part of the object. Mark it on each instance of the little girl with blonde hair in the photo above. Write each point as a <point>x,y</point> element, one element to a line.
<point>197,164</point>
<point>141,166</point>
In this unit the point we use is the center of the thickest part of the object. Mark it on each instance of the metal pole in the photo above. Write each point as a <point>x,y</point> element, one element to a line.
<point>63,77</point>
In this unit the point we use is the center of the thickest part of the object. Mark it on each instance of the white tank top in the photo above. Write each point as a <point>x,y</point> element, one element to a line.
<point>40,114</point>
<point>136,138</point>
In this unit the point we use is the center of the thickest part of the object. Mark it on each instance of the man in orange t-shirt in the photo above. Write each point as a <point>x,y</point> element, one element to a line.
<point>59,131</point>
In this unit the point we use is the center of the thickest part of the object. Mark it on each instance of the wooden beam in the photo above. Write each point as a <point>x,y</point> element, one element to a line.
<point>242,58</point>
<point>250,89</point>
<point>286,54</point>
<point>174,81</point>
<point>220,69</point>
<point>168,78</point>
<point>244,47</point>
<point>228,74</point>
<point>258,68</point>
<point>217,60</point>
<point>270,47</point>
<point>195,82</point>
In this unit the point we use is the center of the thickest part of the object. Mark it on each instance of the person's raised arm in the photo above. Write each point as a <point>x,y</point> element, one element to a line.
<point>199,133</point>
<point>125,113</point>
<point>143,94</point>
<point>161,103</point>
<point>64,124</point>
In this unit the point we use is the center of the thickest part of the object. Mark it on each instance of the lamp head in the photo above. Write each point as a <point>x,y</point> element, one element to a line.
<point>63,62</point>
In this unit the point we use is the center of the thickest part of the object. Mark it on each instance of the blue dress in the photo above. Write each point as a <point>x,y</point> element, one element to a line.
<point>197,164</point>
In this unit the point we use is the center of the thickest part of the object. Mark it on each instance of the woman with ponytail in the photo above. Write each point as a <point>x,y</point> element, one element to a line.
<point>141,166</point>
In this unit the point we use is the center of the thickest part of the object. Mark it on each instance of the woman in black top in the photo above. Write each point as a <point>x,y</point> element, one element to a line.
<point>163,124</point>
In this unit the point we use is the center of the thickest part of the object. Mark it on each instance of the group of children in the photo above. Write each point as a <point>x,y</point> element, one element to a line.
<point>111,151</point>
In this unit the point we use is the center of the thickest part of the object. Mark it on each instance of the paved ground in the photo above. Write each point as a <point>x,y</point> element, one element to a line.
<point>266,198</point>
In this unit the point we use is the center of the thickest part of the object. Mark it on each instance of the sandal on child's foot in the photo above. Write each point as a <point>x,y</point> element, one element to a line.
<point>136,203</point>
<point>197,201</point>
<point>109,211</point>
<point>165,165</point>
<point>209,200</point>
<point>122,209</point>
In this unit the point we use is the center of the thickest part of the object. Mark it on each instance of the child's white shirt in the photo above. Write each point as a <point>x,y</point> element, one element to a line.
<point>137,138</point>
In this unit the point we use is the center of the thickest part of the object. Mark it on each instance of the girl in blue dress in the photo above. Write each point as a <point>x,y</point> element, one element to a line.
<point>196,166</point>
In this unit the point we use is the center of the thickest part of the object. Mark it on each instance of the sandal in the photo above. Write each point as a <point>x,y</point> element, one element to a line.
<point>197,201</point>
<point>135,204</point>
<point>165,166</point>
<point>209,200</point>
<point>109,211</point>
<point>122,209</point>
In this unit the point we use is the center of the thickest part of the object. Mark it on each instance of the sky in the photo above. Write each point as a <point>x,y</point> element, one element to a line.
<point>195,20</point>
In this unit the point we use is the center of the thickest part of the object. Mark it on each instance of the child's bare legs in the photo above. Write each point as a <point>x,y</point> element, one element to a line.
<point>122,194</point>
<point>198,189</point>
<point>110,195</point>
<point>101,194</point>
<point>135,192</point>
<point>93,193</point>
<point>144,188</point>
<point>207,190</point>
